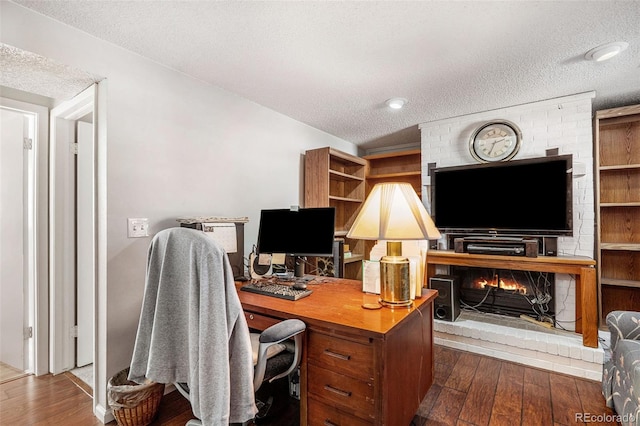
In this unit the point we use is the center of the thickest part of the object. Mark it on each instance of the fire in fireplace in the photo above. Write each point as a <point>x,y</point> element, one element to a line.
<point>507,292</point>
<point>499,282</point>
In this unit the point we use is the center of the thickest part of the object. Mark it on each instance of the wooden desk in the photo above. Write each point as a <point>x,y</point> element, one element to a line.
<point>581,267</point>
<point>359,366</point>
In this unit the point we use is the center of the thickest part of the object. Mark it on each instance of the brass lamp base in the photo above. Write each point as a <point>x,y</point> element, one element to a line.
<point>394,277</point>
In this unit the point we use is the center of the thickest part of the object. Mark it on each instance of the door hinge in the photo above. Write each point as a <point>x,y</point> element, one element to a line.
<point>27,143</point>
<point>74,148</point>
<point>74,331</point>
<point>28,333</point>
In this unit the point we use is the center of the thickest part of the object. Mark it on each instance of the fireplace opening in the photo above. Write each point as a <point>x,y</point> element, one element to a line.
<point>507,292</point>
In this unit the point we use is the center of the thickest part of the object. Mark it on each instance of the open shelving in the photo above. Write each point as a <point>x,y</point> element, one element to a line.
<point>617,153</point>
<point>397,166</point>
<point>336,179</point>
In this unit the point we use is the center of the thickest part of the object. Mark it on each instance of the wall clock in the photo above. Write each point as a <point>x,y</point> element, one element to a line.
<point>495,140</point>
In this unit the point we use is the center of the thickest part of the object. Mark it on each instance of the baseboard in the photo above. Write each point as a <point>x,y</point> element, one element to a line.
<point>103,414</point>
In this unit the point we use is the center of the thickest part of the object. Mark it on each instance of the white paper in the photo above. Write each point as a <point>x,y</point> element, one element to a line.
<point>224,234</point>
<point>264,259</point>
<point>278,258</point>
<point>371,276</point>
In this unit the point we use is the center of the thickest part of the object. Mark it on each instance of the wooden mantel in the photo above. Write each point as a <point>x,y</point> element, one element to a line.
<point>582,268</point>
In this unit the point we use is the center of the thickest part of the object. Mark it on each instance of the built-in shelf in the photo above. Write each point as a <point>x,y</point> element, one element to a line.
<point>354,258</point>
<point>620,167</point>
<point>397,166</point>
<point>604,205</point>
<point>620,283</point>
<point>337,179</point>
<point>348,200</point>
<point>343,176</point>
<point>393,175</point>
<point>620,246</point>
<point>617,165</point>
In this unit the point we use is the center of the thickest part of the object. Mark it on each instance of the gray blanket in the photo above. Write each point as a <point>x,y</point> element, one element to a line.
<point>192,328</point>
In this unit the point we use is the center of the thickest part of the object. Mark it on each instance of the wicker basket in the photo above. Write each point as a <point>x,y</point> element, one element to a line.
<point>133,404</point>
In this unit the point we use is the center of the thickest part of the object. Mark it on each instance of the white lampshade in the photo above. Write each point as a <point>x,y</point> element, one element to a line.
<point>393,211</point>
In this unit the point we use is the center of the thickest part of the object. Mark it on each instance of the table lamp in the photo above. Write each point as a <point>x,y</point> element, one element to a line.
<point>393,212</point>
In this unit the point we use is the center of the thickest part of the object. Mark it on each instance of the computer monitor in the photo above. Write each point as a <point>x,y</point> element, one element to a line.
<point>301,232</point>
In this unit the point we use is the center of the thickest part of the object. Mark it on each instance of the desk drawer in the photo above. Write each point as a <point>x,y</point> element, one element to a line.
<point>320,414</point>
<point>353,395</point>
<point>259,322</point>
<point>341,355</point>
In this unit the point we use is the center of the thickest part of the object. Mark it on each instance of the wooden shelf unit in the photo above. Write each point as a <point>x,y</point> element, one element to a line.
<point>617,168</point>
<point>399,166</point>
<point>336,179</point>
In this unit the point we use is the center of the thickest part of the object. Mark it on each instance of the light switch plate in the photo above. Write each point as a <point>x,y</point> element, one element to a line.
<point>137,227</point>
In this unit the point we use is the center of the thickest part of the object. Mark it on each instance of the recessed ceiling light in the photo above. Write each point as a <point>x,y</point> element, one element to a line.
<point>606,51</point>
<point>396,103</point>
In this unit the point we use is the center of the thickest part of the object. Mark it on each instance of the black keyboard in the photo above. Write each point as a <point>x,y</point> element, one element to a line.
<point>281,291</point>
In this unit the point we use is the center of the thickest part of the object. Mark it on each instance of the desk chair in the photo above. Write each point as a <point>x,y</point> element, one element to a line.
<point>193,332</point>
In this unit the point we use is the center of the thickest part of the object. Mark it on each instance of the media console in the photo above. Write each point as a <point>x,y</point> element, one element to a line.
<point>582,268</point>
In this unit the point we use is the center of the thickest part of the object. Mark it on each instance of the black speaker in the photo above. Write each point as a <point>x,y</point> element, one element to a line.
<point>447,306</point>
<point>550,246</point>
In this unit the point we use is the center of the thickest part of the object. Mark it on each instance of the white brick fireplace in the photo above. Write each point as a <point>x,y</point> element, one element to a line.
<point>564,124</point>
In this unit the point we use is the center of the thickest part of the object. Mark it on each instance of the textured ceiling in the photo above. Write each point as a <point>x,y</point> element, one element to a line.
<point>33,73</point>
<point>333,64</point>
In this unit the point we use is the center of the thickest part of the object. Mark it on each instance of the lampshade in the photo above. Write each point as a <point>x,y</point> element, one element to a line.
<point>393,211</point>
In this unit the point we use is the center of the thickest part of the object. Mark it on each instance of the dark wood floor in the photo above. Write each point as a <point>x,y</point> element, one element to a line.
<point>468,389</point>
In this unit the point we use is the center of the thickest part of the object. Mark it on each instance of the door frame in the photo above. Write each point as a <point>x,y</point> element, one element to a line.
<point>38,287</point>
<point>62,217</point>
<point>93,99</point>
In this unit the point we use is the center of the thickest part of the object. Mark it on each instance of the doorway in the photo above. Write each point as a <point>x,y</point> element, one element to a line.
<point>23,236</point>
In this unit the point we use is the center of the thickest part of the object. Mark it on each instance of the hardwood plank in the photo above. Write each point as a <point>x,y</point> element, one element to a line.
<point>521,395</point>
<point>8,373</point>
<point>566,401</point>
<point>444,355</point>
<point>46,400</point>
<point>592,400</point>
<point>480,397</point>
<point>447,407</point>
<point>462,374</point>
<point>445,360</point>
<point>536,398</point>
<point>507,404</point>
<point>429,401</point>
<point>441,373</point>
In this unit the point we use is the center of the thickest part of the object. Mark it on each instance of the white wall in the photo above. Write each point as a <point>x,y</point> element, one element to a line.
<point>564,123</point>
<point>176,147</point>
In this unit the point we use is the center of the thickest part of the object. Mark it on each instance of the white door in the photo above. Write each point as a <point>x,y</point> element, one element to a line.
<point>13,209</point>
<point>85,238</point>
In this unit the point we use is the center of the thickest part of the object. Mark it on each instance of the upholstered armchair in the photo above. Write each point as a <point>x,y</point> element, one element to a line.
<point>621,372</point>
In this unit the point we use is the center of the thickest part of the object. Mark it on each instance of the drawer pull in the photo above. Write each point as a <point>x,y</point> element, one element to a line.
<point>338,391</point>
<point>328,422</point>
<point>337,355</point>
<point>250,316</point>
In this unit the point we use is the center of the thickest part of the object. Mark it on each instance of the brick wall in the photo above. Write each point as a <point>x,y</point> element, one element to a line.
<point>564,123</point>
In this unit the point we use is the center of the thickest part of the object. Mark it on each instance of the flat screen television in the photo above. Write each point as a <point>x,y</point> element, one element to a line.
<point>302,232</point>
<point>525,197</point>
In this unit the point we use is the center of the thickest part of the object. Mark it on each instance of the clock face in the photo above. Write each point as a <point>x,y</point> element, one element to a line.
<point>495,141</point>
